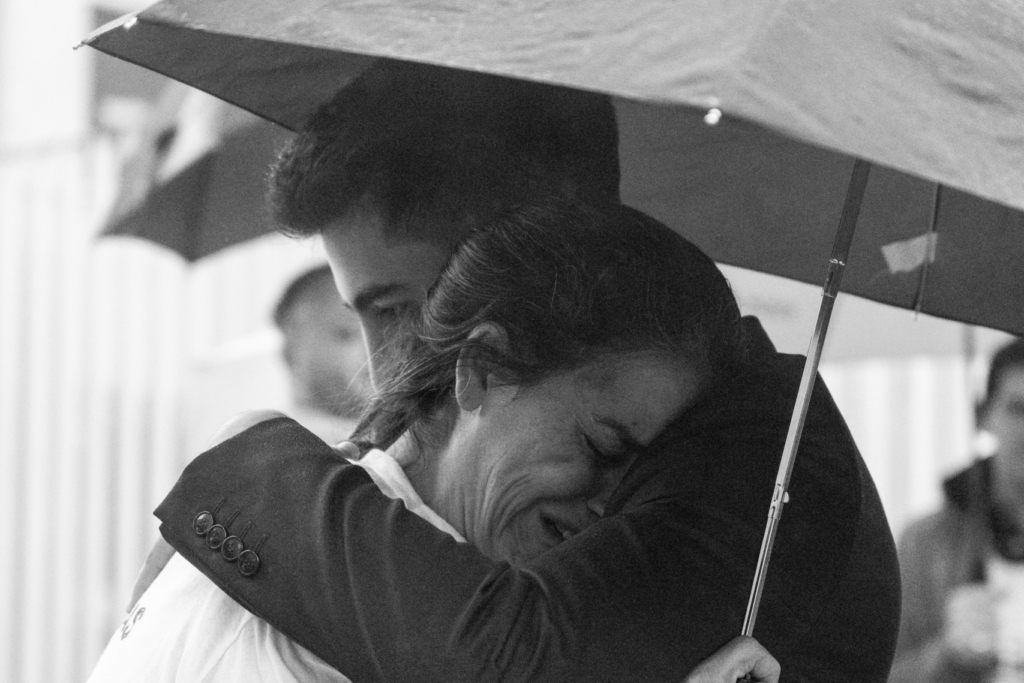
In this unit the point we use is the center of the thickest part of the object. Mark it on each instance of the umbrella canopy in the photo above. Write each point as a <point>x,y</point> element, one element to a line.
<point>195,179</point>
<point>934,92</point>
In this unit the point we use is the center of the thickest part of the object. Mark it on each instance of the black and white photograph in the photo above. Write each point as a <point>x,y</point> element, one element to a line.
<point>511,341</point>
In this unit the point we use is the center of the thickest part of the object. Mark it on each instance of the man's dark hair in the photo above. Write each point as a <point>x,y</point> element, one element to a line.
<point>437,151</point>
<point>1007,358</point>
<point>297,289</point>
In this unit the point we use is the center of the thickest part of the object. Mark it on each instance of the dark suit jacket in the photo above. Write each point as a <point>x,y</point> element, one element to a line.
<point>644,595</point>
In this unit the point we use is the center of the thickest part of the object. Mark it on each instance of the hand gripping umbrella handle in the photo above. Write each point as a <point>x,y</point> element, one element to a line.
<point>840,250</point>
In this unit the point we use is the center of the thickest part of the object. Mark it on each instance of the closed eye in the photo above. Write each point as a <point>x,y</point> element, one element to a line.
<point>388,315</point>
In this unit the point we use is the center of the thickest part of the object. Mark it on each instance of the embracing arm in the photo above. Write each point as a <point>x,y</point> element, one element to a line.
<point>645,594</point>
<point>162,551</point>
<point>381,595</point>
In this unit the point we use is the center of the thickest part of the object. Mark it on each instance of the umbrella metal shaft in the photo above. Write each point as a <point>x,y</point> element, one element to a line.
<point>840,250</point>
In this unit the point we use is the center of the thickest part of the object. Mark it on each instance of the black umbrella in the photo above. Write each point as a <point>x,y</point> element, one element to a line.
<point>196,177</point>
<point>749,127</point>
<point>934,89</point>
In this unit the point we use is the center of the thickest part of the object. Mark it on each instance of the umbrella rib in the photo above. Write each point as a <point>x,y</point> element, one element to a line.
<point>929,246</point>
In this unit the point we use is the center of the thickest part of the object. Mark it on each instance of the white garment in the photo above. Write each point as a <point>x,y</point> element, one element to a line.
<point>187,630</point>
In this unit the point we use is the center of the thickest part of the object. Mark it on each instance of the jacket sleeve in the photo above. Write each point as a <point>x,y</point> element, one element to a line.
<point>643,595</point>
<point>381,595</point>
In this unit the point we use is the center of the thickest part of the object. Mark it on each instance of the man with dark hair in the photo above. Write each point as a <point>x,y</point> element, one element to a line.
<point>324,353</point>
<point>953,560</point>
<point>655,586</point>
<point>405,161</point>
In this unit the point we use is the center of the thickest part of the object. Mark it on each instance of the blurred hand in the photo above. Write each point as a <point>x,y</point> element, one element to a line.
<point>162,551</point>
<point>969,636</point>
<point>742,656</point>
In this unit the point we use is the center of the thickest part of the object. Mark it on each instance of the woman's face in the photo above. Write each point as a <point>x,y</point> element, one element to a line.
<point>519,470</point>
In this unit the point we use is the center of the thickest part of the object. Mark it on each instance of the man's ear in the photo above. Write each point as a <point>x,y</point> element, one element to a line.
<point>472,379</point>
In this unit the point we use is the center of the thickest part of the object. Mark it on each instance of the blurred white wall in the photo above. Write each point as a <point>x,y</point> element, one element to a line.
<point>117,361</point>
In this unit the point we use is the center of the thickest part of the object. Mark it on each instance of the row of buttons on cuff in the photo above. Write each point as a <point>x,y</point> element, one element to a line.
<point>231,547</point>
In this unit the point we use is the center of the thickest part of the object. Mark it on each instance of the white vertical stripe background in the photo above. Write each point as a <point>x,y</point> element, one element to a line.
<point>97,342</point>
<point>12,389</point>
<point>97,339</point>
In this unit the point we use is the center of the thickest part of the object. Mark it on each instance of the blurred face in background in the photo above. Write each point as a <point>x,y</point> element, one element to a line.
<point>324,352</point>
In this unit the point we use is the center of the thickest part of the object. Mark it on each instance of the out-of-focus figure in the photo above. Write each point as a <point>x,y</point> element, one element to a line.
<point>323,349</point>
<point>963,567</point>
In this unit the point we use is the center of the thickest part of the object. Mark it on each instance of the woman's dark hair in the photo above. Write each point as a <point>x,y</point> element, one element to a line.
<point>570,286</point>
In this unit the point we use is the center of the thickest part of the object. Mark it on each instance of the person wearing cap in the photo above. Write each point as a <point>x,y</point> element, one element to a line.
<point>322,347</point>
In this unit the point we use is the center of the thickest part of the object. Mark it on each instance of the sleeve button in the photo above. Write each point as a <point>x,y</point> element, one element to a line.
<point>202,523</point>
<point>215,536</point>
<point>232,548</point>
<point>248,563</point>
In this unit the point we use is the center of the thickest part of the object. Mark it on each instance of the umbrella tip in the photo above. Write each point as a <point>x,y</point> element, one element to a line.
<point>125,21</point>
<point>713,116</point>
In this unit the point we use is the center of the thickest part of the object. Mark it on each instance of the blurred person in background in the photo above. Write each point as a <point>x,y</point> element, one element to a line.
<point>963,567</point>
<point>323,350</point>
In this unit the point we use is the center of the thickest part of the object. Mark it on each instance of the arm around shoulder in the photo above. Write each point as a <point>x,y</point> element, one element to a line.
<point>629,599</point>
<point>161,552</point>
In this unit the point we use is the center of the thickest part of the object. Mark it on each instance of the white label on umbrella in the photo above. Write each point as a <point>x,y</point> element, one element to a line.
<point>908,255</point>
